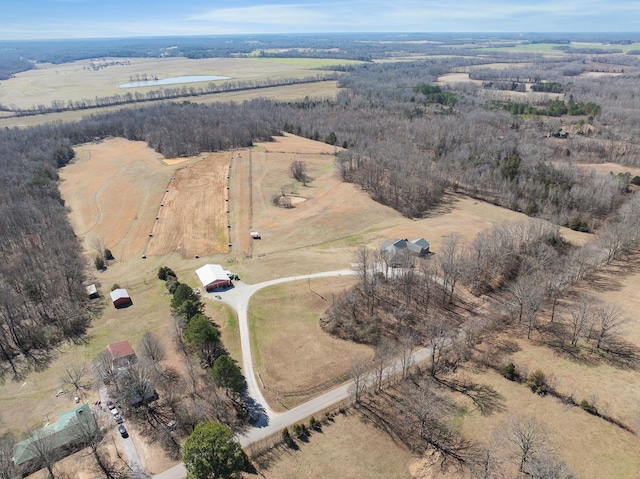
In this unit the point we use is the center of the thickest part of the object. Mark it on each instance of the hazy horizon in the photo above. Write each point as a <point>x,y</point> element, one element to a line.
<point>71,19</point>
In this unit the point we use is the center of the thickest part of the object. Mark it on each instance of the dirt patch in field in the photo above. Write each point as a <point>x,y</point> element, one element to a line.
<point>456,78</point>
<point>240,205</point>
<point>600,74</point>
<point>175,161</point>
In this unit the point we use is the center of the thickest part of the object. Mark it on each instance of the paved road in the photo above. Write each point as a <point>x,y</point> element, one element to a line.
<point>127,445</point>
<point>238,298</point>
<point>272,422</point>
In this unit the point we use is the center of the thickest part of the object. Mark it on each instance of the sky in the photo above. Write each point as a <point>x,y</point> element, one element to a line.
<point>44,19</point>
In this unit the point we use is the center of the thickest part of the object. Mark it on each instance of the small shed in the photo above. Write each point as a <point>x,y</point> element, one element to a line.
<point>92,291</point>
<point>120,298</point>
<point>213,276</point>
<point>121,354</point>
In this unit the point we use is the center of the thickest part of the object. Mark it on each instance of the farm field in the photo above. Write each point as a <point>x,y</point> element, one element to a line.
<point>78,80</point>
<point>324,89</point>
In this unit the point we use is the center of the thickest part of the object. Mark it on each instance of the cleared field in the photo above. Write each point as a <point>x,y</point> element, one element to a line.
<point>291,352</point>
<point>240,202</point>
<point>347,448</point>
<point>193,217</point>
<point>592,447</point>
<point>606,168</point>
<point>322,90</point>
<point>79,80</point>
<point>114,189</point>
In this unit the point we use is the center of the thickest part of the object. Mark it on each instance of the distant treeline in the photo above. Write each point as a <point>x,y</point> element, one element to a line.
<point>12,63</point>
<point>17,56</point>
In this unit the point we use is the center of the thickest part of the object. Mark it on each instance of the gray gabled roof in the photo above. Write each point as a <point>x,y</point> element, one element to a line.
<point>423,243</point>
<point>396,250</point>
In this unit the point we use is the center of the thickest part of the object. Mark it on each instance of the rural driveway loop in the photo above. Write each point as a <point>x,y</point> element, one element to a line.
<point>238,298</point>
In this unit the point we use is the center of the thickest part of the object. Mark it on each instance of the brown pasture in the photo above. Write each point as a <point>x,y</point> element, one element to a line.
<point>322,90</point>
<point>592,447</point>
<point>347,447</point>
<point>289,315</point>
<point>77,80</point>
<point>606,168</point>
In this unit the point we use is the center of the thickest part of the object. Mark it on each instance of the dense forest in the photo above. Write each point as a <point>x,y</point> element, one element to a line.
<point>405,141</point>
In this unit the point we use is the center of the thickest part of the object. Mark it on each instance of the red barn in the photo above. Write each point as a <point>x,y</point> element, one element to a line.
<point>121,354</point>
<point>212,277</point>
<point>120,298</point>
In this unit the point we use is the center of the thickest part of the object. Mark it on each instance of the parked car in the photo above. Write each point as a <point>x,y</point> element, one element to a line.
<point>123,431</point>
<point>118,418</point>
<point>114,411</point>
<point>110,404</point>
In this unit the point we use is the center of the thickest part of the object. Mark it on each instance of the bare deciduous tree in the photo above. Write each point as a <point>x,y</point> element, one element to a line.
<point>547,466</point>
<point>299,170</point>
<point>525,438</point>
<point>382,360</point>
<point>104,368</point>
<point>8,469</point>
<point>450,264</point>
<point>359,372</point>
<point>439,332</point>
<point>488,461</point>
<point>76,377</point>
<point>44,449</point>
<point>580,318</point>
<point>91,432</point>
<point>407,341</point>
<point>608,318</point>
<point>151,348</point>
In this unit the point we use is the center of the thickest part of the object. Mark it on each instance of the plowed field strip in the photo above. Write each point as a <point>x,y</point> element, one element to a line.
<point>240,202</point>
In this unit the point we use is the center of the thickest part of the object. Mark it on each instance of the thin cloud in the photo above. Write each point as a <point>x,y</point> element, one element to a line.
<point>82,19</point>
<point>276,14</point>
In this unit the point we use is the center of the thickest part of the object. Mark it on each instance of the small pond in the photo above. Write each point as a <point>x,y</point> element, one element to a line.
<point>173,80</point>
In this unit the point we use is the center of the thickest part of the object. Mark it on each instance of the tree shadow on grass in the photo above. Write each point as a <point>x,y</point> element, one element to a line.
<point>485,398</point>
<point>256,412</point>
<point>616,352</point>
<point>620,353</point>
